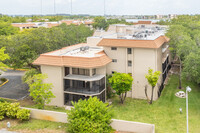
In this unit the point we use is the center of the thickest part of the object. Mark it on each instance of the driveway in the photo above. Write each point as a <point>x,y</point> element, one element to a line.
<point>14,89</point>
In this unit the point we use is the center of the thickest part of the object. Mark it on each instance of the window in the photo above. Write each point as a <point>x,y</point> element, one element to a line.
<point>93,71</point>
<point>129,50</point>
<point>113,72</point>
<point>113,48</point>
<point>114,60</point>
<point>79,71</point>
<point>129,63</point>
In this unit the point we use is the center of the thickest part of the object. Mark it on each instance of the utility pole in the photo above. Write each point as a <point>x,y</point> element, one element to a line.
<point>188,89</point>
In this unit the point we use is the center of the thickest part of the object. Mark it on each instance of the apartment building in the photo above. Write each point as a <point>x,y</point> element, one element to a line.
<point>31,25</point>
<point>79,71</point>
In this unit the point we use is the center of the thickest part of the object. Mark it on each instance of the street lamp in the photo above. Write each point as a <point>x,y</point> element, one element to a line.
<point>188,89</point>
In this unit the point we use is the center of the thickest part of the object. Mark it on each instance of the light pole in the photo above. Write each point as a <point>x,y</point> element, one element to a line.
<point>188,89</point>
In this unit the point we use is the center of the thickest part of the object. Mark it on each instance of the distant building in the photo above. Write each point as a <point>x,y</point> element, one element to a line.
<point>79,71</point>
<point>51,24</point>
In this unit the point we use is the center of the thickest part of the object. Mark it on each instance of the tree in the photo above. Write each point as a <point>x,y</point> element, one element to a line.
<point>191,69</point>
<point>100,23</point>
<point>7,29</point>
<point>121,83</point>
<point>29,75</point>
<point>41,92</point>
<point>3,57</point>
<point>152,79</point>
<point>89,116</point>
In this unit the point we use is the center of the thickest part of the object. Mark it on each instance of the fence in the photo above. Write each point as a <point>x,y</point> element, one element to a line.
<point>119,125</point>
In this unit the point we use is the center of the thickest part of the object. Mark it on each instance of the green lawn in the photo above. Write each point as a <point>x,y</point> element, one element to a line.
<point>33,125</point>
<point>48,107</point>
<point>164,112</point>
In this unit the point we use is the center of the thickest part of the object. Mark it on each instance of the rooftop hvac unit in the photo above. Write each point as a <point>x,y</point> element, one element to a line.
<point>86,47</point>
<point>82,48</point>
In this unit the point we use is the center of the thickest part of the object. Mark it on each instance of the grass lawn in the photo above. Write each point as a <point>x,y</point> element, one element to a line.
<point>164,112</point>
<point>47,107</point>
<point>34,126</point>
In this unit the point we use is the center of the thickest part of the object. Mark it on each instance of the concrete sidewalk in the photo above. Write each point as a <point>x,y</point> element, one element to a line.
<point>5,131</point>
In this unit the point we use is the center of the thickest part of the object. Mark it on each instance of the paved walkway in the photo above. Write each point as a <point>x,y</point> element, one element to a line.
<point>14,89</point>
<point>5,131</point>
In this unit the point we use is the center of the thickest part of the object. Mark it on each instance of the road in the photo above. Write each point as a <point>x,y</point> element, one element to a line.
<point>14,89</point>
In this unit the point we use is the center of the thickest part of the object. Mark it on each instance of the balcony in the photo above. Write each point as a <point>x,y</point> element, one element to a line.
<point>84,87</point>
<point>85,90</point>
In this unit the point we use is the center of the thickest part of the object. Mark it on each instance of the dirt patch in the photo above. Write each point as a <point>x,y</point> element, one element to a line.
<point>26,101</point>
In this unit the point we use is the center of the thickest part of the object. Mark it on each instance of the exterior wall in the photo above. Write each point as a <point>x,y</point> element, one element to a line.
<point>55,76</point>
<point>101,70</point>
<point>120,55</point>
<point>143,60</point>
<point>119,125</point>
<point>93,41</point>
<point>122,62</point>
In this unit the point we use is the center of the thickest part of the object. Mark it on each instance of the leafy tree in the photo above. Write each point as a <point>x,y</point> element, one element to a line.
<point>191,68</point>
<point>7,29</point>
<point>3,57</point>
<point>109,91</point>
<point>152,79</point>
<point>121,83</point>
<point>29,75</point>
<point>100,23</point>
<point>41,92</point>
<point>89,116</point>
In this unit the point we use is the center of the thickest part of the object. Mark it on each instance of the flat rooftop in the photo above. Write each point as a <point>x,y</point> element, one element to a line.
<point>78,50</point>
<point>133,32</point>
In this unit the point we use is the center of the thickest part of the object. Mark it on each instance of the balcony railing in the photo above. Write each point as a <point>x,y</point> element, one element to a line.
<point>85,90</point>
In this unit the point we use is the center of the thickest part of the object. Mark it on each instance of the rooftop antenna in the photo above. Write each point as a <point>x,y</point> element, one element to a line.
<point>71,7</point>
<point>41,7</point>
<point>54,6</point>
<point>104,8</point>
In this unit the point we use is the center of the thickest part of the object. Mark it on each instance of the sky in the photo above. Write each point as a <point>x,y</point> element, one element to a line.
<point>96,7</point>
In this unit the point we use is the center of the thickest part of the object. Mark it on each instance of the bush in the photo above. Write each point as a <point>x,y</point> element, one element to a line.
<point>2,100</point>
<point>3,107</point>
<point>89,116</point>
<point>23,114</point>
<point>11,110</point>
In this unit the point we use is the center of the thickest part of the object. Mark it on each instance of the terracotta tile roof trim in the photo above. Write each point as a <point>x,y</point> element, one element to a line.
<point>82,62</point>
<point>134,43</point>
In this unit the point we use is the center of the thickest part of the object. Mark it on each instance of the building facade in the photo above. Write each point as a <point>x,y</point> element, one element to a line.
<point>79,71</point>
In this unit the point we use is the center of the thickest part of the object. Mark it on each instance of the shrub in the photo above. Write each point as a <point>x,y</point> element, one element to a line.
<point>89,116</point>
<point>2,100</point>
<point>3,110</point>
<point>23,114</point>
<point>11,110</point>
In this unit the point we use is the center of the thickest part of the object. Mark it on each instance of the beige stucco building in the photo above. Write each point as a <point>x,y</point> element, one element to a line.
<point>79,71</point>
